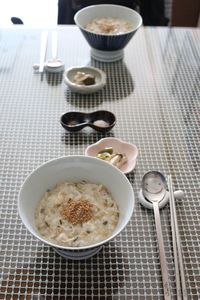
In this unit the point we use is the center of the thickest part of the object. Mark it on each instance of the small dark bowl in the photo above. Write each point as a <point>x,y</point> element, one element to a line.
<point>107,42</point>
<point>75,121</point>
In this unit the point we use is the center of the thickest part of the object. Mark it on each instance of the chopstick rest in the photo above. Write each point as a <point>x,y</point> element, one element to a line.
<point>177,194</point>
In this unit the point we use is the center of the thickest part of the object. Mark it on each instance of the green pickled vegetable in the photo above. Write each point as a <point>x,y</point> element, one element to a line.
<point>103,156</point>
<point>106,150</point>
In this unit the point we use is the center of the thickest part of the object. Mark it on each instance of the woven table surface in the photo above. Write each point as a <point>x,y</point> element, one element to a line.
<point>154,93</point>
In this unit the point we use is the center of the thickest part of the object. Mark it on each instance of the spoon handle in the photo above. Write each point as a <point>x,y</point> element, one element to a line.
<point>163,262</point>
<point>54,44</point>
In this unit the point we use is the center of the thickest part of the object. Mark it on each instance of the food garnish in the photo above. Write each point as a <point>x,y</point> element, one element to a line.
<point>107,150</point>
<point>116,159</point>
<point>77,211</point>
<point>84,78</point>
<point>100,123</point>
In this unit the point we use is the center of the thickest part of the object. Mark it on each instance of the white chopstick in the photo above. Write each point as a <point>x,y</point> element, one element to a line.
<point>54,42</point>
<point>177,249</point>
<point>43,49</point>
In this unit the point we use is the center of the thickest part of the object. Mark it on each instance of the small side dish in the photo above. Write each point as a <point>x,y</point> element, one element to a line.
<point>85,80</point>
<point>100,120</point>
<point>77,214</point>
<point>121,154</point>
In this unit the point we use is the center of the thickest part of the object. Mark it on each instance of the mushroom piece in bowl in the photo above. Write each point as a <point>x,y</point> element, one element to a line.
<point>58,204</point>
<point>108,28</point>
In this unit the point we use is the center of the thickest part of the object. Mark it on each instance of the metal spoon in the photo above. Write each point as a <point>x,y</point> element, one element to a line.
<point>154,188</point>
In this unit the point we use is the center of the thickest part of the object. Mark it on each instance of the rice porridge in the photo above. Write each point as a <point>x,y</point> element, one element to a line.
<point>109,26</point>
<point>77,214</point>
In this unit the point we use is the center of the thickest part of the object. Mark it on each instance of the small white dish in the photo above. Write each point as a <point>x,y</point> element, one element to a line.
<point>119,146</point>
<point>100,80</point>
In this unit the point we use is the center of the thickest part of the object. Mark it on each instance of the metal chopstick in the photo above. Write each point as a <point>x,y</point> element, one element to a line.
<point>178,258</point>
<point>177,274</point>
<point>43,48</point>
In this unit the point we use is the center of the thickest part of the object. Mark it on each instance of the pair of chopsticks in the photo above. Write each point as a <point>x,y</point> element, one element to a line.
<point>177,249</point>
<point>43,48</point>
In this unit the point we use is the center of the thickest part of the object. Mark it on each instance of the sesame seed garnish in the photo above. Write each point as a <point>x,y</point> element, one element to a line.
<point>77,211</point>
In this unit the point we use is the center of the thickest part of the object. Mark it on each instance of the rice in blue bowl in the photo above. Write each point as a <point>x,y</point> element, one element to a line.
<point>100,25</point>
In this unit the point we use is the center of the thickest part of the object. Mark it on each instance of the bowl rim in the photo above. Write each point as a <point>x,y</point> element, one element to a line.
<point>108,5</point>
<point>53,161</point>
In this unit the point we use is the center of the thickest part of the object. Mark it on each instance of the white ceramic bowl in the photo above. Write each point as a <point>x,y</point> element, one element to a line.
<point>75,168</point>
<point>100,80</point>
<point>106,47</point>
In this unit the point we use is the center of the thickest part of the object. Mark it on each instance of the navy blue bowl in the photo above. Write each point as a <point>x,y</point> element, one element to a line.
<point>107,42</point>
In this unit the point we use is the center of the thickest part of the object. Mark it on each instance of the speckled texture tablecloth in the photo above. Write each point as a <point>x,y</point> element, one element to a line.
<point>154,93</point>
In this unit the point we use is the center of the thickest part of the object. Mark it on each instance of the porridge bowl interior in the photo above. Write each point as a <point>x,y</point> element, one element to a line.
<point>108,29</point>
<point>77,174</point>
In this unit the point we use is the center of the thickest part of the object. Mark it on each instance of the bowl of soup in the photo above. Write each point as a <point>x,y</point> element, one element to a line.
<point>76,204</point>
<point>108,29</point>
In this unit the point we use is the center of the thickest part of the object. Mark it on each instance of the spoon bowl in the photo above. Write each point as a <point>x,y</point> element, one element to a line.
<point>154,186</point>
